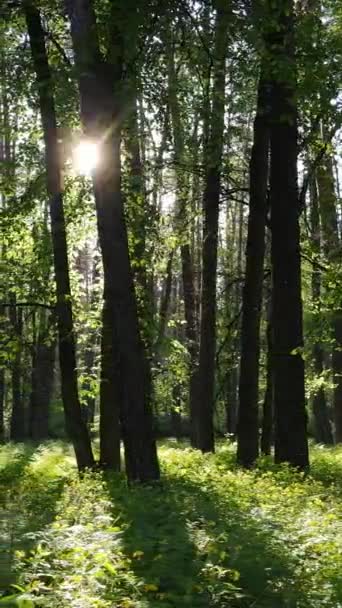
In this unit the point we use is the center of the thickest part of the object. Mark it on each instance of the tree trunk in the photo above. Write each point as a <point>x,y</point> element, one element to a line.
<point>332,250</point>
<point>17,430</point>
<point>75,425</point>
<point>232,401</point>
<point>42,377</point>
<point>204,434</point>
<point>165,301</point>
<point>101,117</point>
<point>268,409</point>
<point>248,423</point>
<point>2,402</point>
<point>110,396</point>
<point>182,228</point>
<point>323,432</point>
<point>289,394</point>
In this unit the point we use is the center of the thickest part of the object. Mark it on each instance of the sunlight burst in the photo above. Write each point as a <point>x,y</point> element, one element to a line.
<point>86,157</point>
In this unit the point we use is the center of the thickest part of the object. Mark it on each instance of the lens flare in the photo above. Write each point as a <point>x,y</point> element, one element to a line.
<point>86,157</point>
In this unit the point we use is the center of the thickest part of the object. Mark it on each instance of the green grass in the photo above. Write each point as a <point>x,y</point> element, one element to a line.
<point>208,535</point>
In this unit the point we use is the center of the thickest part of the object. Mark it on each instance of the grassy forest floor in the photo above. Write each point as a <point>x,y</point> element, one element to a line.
<point>208,535</point>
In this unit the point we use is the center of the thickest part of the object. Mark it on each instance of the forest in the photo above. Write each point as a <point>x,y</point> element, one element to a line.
<point>171,303</point>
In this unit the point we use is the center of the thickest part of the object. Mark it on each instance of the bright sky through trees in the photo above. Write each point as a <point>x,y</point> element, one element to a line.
<point>86,157</point>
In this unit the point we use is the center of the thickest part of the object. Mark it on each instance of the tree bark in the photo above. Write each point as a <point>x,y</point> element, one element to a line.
<point>110,396</point>
<point>75,425</point>
<point>204,432</point>
<point>2,401</point>
<point>323,431</point>
<point>182,222</point>
<point>101,118</point>
<point>42,377</point>
<point>165,301</point>
<point>248,419</point>
<point>332,251</point>
<point>268,409</point>
<point>17,429</point>
<point>231,401</point>
<point>289,394</point>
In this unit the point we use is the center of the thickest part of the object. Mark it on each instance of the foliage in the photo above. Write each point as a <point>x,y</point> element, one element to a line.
<point>209,535</point>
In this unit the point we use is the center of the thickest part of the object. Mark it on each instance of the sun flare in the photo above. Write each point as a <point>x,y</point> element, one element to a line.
<point>86,157</point>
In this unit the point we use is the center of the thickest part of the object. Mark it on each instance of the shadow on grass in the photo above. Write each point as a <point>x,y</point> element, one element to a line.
<point>180,541</point>
<point>27,504</point>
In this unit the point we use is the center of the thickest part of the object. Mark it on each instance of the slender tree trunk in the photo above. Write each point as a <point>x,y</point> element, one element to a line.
<point>42,386</point>
<point>137,198</point>
<point>110,396</point>
<point>332,249</point>
<point>267,409</point>
<point>182,222</point>
<point>204,434</point>
<point>75,425</point>
<point>248,423</point>
<point>323,432</point>
<point>289,394</point>
<point>2,402</point>
<point>42,377</point>
<point>232,401</point>
<point>140,218</point>
<point>17,430</point>
<point>165,301</point>
<point>2,389</point>
<point>100,113</point>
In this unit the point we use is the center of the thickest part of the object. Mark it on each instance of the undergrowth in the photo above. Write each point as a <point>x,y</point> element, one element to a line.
<point>208,535</point>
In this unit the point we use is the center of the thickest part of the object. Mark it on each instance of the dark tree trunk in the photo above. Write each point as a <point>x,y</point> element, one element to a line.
<point>75,425</point>
<point>182,226</point>
<point>267,409</point>
<point>138,211</point>
<point>100,113</point>
<point>165,301</point>
<point>232,401</point>
<point>332,249</point>
<point>204,432</point>
<point>289,394</point>
<point>110,396</point>
<point>322,426</point>
<point>17,429</point>
<point>89,362</point>
<point>323,431</point>
<point>43,367</point>
<point>248,422</point>
<point>2,402</point>
<point>92,342</point>
<point>140,218</point>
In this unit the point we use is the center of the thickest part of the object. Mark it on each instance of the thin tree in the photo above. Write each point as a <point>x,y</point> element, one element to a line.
<point>323,431</point>
<point>332,250</point>
<point>75,425</point>
<point>204,433</point>
<point>248,423</point>
<point>182,228</point>
<point>288,363</point>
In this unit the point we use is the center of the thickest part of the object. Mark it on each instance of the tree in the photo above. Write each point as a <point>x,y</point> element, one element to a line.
<point>288,364</point>
<point>248,426</point>
<point>323,432</point>
<point>182,228</point>
<point>204,435</point>
<point>332,250</point>
<point>98,78</point>
<point>75,425</point>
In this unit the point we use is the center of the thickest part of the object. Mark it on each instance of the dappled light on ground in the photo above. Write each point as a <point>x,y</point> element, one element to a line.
<point>208,535</point>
